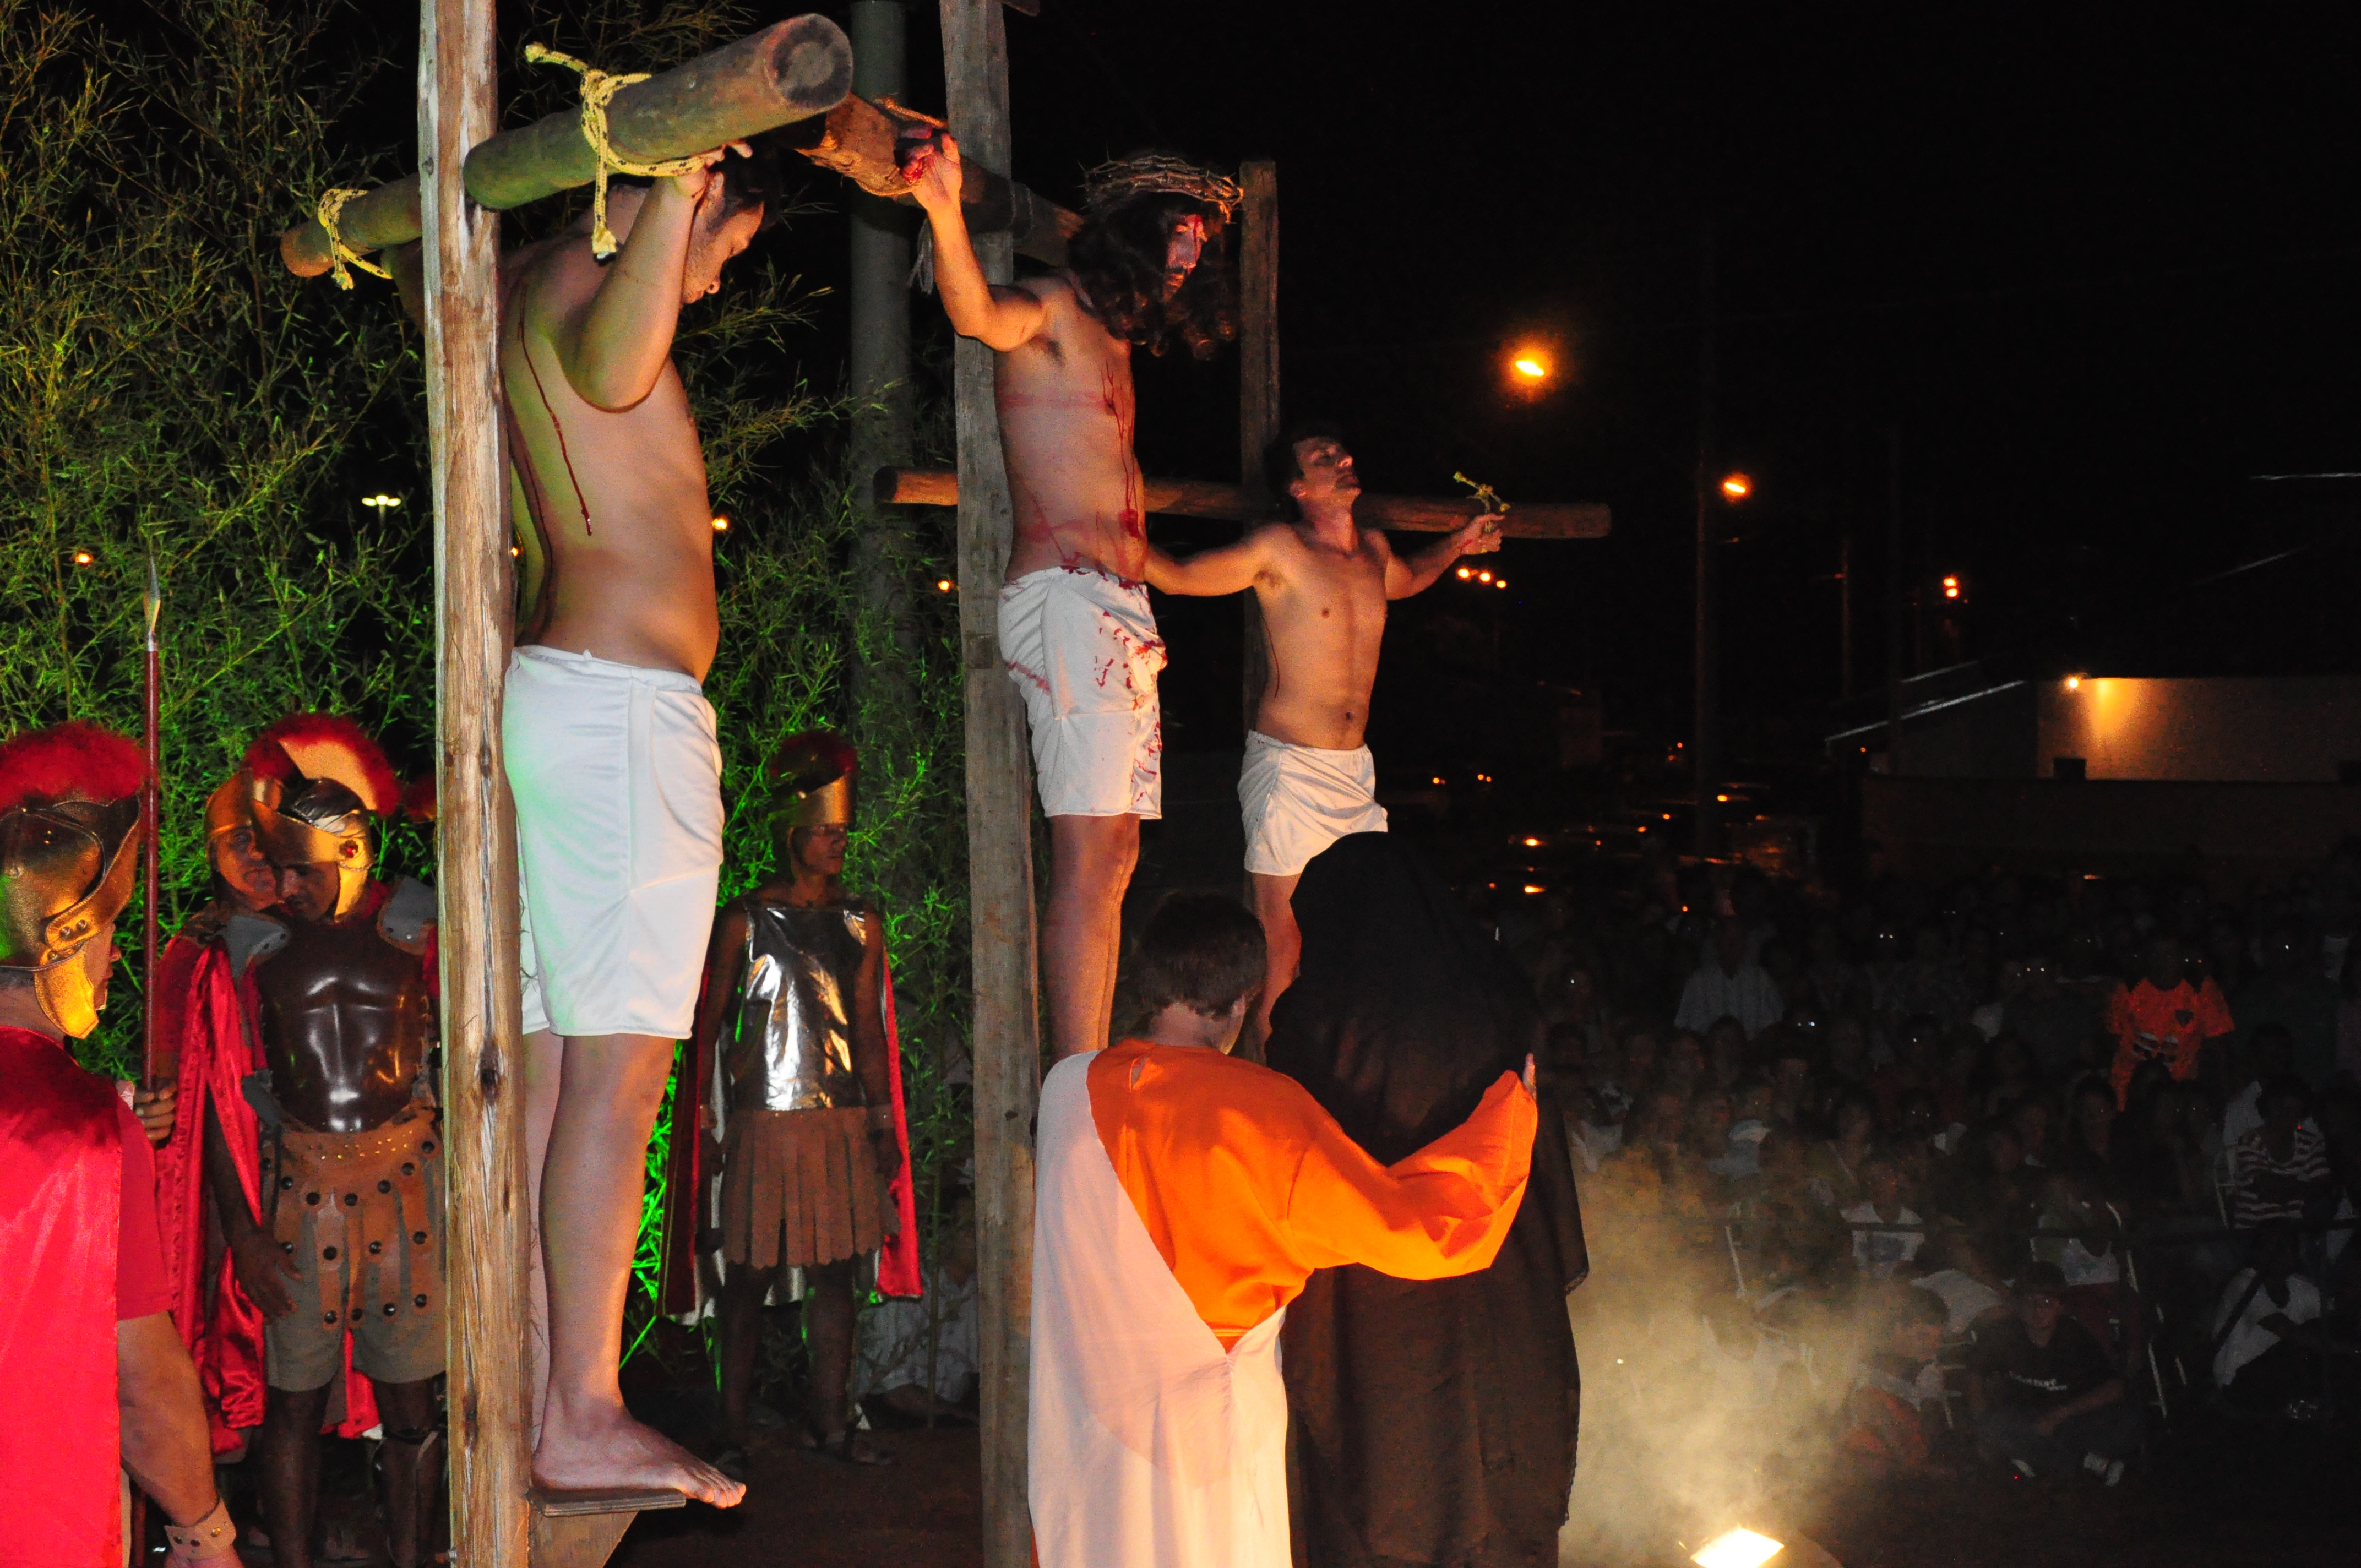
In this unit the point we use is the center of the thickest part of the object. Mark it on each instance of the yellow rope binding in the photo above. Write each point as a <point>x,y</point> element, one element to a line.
<point>340,255</point>
<point>598,88</point>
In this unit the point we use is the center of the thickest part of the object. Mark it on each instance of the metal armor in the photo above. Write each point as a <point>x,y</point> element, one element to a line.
<point>794,1050</point>
<point>346,1021</point>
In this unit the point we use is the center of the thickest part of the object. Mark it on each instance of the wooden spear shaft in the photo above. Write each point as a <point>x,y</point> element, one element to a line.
<point>154,1058</point>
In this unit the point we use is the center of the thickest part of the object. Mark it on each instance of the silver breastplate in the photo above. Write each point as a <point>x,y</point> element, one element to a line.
<point>794,1050</point>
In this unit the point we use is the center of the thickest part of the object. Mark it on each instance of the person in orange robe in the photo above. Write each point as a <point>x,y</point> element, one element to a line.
<point>1182,1199</point>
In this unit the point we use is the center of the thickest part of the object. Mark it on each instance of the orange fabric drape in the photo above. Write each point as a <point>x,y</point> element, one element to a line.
<point>1246,1185</point>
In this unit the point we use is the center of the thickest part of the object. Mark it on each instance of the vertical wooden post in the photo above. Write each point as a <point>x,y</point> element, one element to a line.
<point>1257,380</point>
<point>883,417</point>
<point>1007,1036</point>
<point>482,1084</point>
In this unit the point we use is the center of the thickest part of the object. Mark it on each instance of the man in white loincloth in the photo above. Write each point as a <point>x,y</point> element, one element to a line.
<point>610,750</point>
<point>1322,582</point>
<point>1076,633</point>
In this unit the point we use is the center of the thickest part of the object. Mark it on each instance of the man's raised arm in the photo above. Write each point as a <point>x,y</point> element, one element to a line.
<point>1226,569</point>
<point>614,347</point>
<point>1406,576</point>
<point>998,318</point>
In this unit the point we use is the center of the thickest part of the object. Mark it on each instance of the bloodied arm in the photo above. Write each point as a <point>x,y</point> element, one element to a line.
<point>262,1272</point>
<point>869,1060</point>
<point>998,317</point>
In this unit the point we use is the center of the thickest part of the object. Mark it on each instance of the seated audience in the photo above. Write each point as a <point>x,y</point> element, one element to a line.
<point>2046,1399</point>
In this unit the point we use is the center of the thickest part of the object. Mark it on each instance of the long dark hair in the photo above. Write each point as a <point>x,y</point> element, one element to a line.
<point>1118,256</point>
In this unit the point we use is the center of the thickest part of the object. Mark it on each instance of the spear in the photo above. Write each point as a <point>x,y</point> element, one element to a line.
<point>150,800</point>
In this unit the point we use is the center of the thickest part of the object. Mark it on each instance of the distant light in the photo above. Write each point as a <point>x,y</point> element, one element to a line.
<point>1950,587</point>
<point>1500,582</point>
<point>1483,778</point>
<point>83,558</point>
<point>1532,843</point>
<point>1483,576</point>
<point>1530,366</point>
<point>944,585</point>
<point>720,525</point>
<point>1668,816</point>
<point>1465,572</point>
<point>2073,683</point>
<point>1530,887</point>
<point>515,551</point>
<point>382,502</point>
<point>1438,778</point>
<point>1737,486</point>
<point>1723,798</point>
<point>1644,827</point>
<point>1738,1549</point>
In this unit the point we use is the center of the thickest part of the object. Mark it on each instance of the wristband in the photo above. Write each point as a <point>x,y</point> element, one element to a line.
<point>211,1539</point>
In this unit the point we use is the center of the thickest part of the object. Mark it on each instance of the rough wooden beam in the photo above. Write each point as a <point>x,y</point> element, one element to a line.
<point>483,1087</point>
<point>1258,405</point>
<point>1235,503</point>
<point>858,142</point>
<point>789,71</point>
<point>1007,1036</point>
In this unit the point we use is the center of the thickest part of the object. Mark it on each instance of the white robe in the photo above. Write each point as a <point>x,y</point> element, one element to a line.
<point>1149,1446</point>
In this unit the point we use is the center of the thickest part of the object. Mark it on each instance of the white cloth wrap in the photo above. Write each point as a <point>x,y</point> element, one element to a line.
<point>1297,800</point>
<point>618,782</point>
<point>1149,1447</point>
<point>1082,646</point>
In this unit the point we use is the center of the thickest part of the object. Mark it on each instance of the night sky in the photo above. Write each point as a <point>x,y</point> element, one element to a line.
<point>2091,268</point>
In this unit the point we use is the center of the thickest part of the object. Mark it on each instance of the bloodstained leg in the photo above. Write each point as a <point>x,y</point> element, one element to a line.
<point>1090,862</point>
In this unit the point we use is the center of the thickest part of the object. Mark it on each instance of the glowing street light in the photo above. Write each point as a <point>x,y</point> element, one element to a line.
<point>1950,587</point>
<point>720,523</point>
<point>1531,366</point>
<point>1737,486</point>
<point>1466,573</point>
<point>1738,1549</point>
<point>84,558</point>
<point>381,504</point>
<point>1532,843</point>
<point>944,585</point>
<point>1500,582</point>
<point>2073,683</point>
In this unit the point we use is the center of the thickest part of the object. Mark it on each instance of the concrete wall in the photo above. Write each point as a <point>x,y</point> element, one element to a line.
<point>2288,731</point>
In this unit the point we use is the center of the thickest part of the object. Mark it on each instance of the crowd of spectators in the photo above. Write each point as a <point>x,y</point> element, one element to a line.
<point>2013,1171</point>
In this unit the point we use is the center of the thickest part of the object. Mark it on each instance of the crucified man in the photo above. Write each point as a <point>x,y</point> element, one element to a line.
<point>1322,582</point>
<point>612,754</point>
<point>1076,632</point>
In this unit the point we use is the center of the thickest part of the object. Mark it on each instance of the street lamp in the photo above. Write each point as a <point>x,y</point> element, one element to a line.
<point>1737,486</point>
<point>381,504</point>
<point>1530,366</point>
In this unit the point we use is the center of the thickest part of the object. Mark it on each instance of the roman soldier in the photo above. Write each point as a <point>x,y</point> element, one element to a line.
<point>323,1156</point>
<point>91,1373</point>
<point>800,1084</point>
<point>206,964</point>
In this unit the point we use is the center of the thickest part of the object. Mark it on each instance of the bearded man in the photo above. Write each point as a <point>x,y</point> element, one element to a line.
<point>325,1166</point>
<point>1076,633</point>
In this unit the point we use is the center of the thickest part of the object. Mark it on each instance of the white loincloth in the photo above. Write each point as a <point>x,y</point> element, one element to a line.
<point>1297,800</point>
<point>1082,646</point>
<point>618,782</point>
<point>1148,1447</point>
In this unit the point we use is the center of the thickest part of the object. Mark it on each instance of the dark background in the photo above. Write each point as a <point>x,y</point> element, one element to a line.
<point>2091,268</point>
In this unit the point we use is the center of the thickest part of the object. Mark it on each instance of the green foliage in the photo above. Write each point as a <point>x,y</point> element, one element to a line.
<point>170,390</point>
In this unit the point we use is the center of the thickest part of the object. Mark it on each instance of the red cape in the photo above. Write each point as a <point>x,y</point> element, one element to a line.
<point>60,1210</point>
<point>686,1172</point>
<point>220,1031</point>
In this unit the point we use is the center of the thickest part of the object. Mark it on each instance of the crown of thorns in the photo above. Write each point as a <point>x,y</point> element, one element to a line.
<point>1157,173</point>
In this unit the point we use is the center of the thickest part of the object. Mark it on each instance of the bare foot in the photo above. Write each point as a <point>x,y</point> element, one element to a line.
<point>607,1450</point>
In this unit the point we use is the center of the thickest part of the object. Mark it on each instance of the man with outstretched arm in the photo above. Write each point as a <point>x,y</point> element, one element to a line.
<point>610,750</point>
<point>1076,633</point>
<point>1322,582</point>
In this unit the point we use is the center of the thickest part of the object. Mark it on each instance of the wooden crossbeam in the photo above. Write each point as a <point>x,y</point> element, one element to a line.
<point>858,142</point>
<point>1235,503</point>
<point>790,71</point>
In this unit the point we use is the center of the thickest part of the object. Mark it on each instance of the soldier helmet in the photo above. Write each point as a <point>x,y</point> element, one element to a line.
<point>69,852</point>
<point>316,782</point>
<point>813,778</point>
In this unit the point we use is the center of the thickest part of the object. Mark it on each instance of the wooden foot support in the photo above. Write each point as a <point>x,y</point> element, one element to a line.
<point>581,1529</point>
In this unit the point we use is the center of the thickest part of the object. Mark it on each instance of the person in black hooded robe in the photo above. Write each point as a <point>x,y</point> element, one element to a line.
<point>1430,1423</point>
